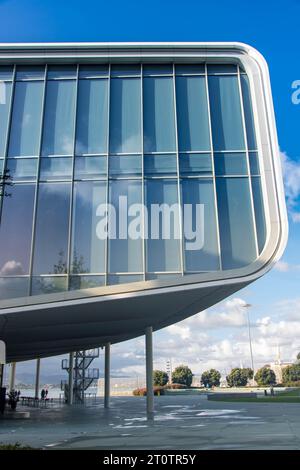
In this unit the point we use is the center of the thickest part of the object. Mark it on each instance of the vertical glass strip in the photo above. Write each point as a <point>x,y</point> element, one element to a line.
<point>34,222</point>
<point>144,247</point>
<point>107,170</point>
<point>5,104</point>
<point>192,115</point>
<point>70,226</point>
<point>125,115</point>
<point>159,116</point>
<point>248,111</point>
<point>248,163</point>
<point>52,228</point>
<point>163,243</point>
<point>178,179</point>
<point>236,223</point>
<point>58,132</point>
<point>201,237</point>
<point>87,250</point>
<point>26,117</point>
<point>213,169</point>
<point>125,251</point>
<point>15,243</point>
<point>91,130</point>
<point>258,201</point>
<point>226,116</point>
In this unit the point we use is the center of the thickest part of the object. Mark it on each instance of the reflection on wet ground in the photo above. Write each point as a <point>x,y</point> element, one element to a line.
<point>180,422</point>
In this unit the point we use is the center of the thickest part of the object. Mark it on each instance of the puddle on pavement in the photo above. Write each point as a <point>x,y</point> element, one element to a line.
<point>216,413</point>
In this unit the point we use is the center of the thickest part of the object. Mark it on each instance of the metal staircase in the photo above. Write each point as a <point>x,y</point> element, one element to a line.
<point>83,376</point>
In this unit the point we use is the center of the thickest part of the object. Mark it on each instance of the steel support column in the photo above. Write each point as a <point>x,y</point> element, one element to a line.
<point>149,371</point>
<point>37,377</point>
<point>107,376</point>
<point>70,385</point>
<point>12,376</point>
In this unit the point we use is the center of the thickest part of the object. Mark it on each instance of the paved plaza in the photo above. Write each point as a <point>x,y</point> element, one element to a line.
<point>181,422</point>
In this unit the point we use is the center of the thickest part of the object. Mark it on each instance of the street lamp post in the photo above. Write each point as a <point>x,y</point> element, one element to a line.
<point>247,306</point>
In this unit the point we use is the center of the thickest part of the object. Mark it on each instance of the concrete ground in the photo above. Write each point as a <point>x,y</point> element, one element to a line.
<point>181,422</point>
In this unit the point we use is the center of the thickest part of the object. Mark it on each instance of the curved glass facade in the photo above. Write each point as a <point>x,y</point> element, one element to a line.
<point>75,138</point>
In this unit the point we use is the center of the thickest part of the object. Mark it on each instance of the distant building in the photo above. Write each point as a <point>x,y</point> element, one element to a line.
<point>278,366</point>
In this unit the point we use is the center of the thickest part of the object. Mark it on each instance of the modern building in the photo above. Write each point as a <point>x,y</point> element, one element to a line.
<point>89,126</point>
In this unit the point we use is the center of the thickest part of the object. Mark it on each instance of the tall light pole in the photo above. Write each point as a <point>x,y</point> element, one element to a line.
<point>247,306</point>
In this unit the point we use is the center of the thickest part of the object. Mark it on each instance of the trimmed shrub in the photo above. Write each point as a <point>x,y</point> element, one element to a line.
<point>142,392</point>
<point>291,374</point>
<point>182,375</point>
<point>160,378</point>
<point>239,377</point>
<point>265,376</point>
<point>175,387</point>
<point>211,378</point>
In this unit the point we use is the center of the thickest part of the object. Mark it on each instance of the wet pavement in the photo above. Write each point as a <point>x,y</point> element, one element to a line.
<point>181,422</point>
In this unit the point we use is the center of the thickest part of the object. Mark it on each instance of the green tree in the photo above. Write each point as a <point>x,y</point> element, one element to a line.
<point>298,358</point>
<point>239,377</point>
<point>182,375</point>
<point>211,377</point>
<point>291,373</point>
<point>265,376</point>
<point>160,378</point>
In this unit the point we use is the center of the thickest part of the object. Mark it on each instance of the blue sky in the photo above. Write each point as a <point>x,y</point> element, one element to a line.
<point>217,337</point>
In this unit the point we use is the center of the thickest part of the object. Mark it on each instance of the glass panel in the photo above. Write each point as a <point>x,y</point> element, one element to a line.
<point>189,69</point>
<point>87,71</point>
<point>125,69</point>
<point>6,72</point>
<point>124,279</point>
<point>1,174</point>
<point>88,250</point>
<point>195,163</point>
<point>52,226</point>
<point>16,230</point>
<point>90,167</point>
<point>192,113</point>
<point>62,71</point>
<point>259,213</point>
<point>159,117</point>
<point>200,228</point>
<point>158,69</point>
<point>58,133</point>
<point>235,222</point>
<point>254,163</point>
<point>125,115</point>
<point>160,164</point>
<point>11,288</point>
<point>56,168</point>
<point>230,164</point>
<point>226,116</point>
<point>248,112</point>
<point>26,119</point>
<point>125,252</point>
<point>30,72</point>
<point>92,115</point>
<point>125,165</point>
<point>163,248</point>
<point>48,285</point>
<point>5,97</point>
<point>221,68</point>
<point>86,282</point>
<point>22,168</point>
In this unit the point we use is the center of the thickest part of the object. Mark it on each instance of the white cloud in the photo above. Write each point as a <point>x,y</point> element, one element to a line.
<point>284,266</point>
<point>291,174</point>
<point>12,268</point>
